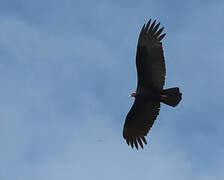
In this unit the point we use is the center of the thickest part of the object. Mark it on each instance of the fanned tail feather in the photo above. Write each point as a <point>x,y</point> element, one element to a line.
<point>171,96</point>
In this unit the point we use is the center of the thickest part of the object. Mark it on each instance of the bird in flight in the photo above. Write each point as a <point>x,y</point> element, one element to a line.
<point>151,73</point>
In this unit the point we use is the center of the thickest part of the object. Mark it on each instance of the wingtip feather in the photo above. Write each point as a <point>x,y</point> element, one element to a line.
<point>140,142</point>
<point>144,140</point>
<point>161,37</point>
<point>152,26</point>
<point>132,144</point>
<point>147,25</point>
<point>155,28</point>
<point>159,32</point>
<point>127,141</point>
<point>136,144</point>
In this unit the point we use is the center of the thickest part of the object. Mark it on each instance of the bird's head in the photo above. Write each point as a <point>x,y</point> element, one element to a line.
<point>133,94</point>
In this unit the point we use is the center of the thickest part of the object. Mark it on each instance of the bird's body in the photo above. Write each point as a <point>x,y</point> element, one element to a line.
<point>149,93</point>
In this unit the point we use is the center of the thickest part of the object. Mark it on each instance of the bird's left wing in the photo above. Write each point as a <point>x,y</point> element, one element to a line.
<point>139,121</point>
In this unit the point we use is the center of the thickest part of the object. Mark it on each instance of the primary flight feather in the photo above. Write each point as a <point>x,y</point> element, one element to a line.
<point>151,73</point>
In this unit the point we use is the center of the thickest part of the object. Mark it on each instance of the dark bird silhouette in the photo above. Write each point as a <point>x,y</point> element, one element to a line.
<point>151,73</point>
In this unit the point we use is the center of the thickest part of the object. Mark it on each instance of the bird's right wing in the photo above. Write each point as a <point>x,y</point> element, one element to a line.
<point>139,120</point>
<point>149,58</point>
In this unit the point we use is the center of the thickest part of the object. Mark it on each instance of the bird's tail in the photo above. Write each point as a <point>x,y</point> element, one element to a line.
<point>171,96</point>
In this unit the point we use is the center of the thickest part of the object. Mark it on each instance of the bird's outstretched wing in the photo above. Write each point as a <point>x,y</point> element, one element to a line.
<point>139,121</point>
<point>151,75</point>
<point>149,58</point>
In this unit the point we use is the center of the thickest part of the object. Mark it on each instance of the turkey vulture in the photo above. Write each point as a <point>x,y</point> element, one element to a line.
<point>151,73</point>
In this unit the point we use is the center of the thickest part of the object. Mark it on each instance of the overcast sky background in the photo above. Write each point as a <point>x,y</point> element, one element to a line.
<point>66,70</point>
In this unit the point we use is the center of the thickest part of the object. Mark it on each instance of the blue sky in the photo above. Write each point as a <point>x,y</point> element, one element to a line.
<point>67,68</point>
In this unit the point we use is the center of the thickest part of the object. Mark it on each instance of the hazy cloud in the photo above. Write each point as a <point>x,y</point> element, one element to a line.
<point>66,71</point>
